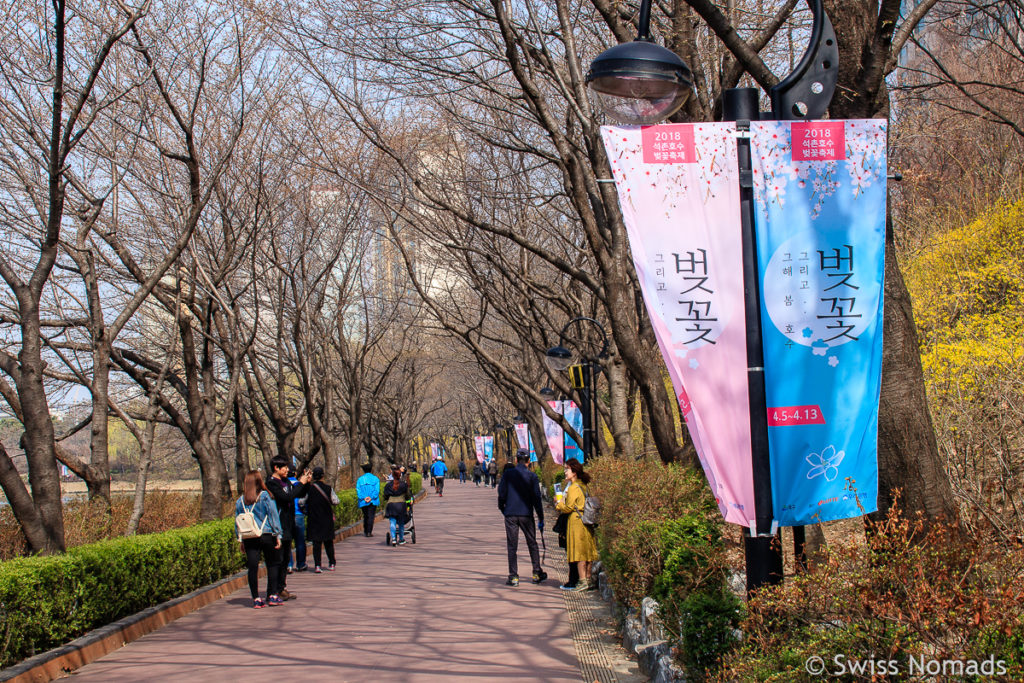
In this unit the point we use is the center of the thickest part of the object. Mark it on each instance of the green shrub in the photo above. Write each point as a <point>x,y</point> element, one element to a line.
<point>47,601</point>
<point>661,536</point>
<point>695,604</point>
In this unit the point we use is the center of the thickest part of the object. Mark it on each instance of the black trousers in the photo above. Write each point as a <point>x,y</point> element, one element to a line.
<point>330,552</point>
<point>369,514</point>
<point>513,525</point>
<point>282,563</point>
<point>254,547</point>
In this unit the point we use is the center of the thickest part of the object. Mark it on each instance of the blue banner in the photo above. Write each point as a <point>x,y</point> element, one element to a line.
<point>820,202</point>
<point>574,416</point>
<point>488,448</point>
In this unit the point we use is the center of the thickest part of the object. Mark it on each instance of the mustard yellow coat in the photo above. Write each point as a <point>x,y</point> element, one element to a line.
<point>579,540</point>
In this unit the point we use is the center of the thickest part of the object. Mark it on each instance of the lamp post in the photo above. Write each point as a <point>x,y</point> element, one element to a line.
<point>559,358</point>
<point>498,427</point>
<point>640,83</point>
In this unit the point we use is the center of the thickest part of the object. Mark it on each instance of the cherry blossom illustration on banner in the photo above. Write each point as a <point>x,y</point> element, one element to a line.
<point>820,199</point>
<point>678,186</point>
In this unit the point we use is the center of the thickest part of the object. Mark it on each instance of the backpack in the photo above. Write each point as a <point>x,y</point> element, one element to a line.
<point>591,511</point>
<point>245,521</point>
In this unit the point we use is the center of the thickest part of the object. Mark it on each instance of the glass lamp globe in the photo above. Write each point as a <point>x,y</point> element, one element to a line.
<point>558,358</point>
<point>639,83</point>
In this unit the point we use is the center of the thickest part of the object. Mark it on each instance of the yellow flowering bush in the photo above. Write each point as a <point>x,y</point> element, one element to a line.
<point>968,293</point>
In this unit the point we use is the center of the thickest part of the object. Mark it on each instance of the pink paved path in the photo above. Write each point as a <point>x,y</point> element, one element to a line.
<point>434,611</point>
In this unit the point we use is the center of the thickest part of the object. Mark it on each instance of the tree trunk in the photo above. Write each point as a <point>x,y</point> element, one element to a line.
<point>908,455</point>
<point>38,439</point>
<point>241,444</point>
<point>98,484</point>
<point>142,476</point>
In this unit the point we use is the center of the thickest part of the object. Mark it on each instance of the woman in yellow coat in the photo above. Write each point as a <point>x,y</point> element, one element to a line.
<point>580,546</point>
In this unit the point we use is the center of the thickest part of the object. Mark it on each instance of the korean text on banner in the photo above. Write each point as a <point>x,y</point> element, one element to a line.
<point>678,187</point>
<point>574,416</point>
<point>478,442</point>
<point>553,434</point>
<point>820,196</point>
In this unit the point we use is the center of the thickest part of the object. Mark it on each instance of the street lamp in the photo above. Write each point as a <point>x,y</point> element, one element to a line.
<point>559,358</point>
<point>641,82</point>
<point>803,94</point>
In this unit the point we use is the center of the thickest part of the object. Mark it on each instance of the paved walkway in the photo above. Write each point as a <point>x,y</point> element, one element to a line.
<point>434,611</point>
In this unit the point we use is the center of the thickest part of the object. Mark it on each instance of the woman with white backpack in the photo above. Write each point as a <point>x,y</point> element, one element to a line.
<point>258,527</point>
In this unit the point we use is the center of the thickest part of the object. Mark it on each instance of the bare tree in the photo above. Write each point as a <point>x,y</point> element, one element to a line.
<point>49,106</point>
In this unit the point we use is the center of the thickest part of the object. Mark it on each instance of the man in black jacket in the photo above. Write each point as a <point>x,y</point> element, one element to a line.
<point>518,499</point>
<point>284,493</point>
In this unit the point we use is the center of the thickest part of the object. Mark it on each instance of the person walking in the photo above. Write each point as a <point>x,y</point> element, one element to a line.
<point>492,472</point>
<point>438,471</point>
<point>368,493</point>
<point>320,516</point>
<point>299,560</point>
<point>284,493</point>
<point>518,499</point>
<point>580,546</point>
<point>396,495</point>
<point>478,473</point>
<point>462,470</point>
<point>256,500</point>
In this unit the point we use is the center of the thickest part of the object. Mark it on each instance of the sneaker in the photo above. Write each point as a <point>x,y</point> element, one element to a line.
<point>402,542</point>
<point>330,567</point>
<point>512,581</point>
<point>274,601</point>
<point>302,568</point>
<point>581,587</point>
<point>317,570</point>
<point>258,603</point>
<point>285,595</point>
<point>539,576</point>
<point>569,586</point>
<point>290,570</point>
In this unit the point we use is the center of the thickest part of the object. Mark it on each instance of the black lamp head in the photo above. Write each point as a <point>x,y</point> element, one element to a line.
<point>639,83</point>
<point>558,358</point>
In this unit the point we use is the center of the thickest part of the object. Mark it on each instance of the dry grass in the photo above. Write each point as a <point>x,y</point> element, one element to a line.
<point>88,522</point>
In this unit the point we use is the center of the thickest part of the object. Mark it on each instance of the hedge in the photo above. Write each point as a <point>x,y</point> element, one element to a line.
<point>48,601</point>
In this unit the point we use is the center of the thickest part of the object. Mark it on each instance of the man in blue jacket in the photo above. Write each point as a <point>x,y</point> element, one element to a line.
<point>438,471</point>
<point>368,492</point>
<point>518,499</point>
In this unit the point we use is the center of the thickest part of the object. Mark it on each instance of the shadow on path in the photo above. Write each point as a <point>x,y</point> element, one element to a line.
<point>434,611</point>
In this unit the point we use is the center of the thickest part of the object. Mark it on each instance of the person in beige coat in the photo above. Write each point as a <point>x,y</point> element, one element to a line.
<point>580,546</point>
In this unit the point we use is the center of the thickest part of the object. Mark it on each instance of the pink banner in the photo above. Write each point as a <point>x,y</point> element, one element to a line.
<point>478,441</point>
<point>523,435</point>
<point>553,433</point>
<point>433,450</point>
<point>682,212</point>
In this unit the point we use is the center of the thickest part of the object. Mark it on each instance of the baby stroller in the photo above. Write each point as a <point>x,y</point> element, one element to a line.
<point>410,526</point>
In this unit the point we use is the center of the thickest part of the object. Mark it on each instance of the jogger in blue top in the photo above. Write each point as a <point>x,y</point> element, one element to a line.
<point>438,471</point>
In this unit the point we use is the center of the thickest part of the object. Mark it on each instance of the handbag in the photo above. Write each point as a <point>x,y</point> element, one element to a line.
<point>561,525</point>
<point>332,501</point>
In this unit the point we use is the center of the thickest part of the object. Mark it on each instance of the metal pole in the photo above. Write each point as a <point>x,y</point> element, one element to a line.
<point>761,543</point>
<point>594,421</point>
